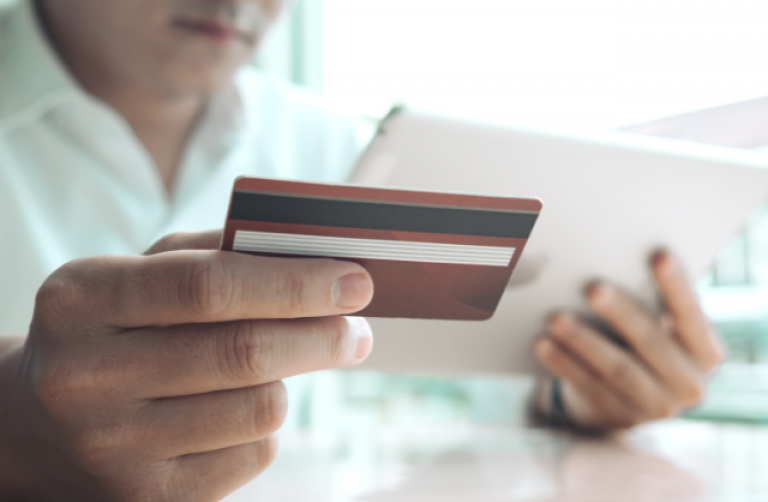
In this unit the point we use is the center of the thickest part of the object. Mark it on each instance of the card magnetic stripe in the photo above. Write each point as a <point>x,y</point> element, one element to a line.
<point>376,215</point>
<point>374,249</point>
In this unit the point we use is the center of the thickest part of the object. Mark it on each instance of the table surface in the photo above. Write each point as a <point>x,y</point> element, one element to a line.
<point>675,460</point>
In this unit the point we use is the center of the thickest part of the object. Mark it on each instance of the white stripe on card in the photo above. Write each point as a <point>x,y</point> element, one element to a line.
<point>373,249</point>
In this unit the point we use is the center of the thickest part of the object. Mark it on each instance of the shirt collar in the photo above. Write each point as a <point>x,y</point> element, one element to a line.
<point>35,82</point>
<point>32,78</point>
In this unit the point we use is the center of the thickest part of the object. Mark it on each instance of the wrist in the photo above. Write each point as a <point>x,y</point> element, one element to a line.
<point>538,404</point>
<point>549,406</point>
<point>554,406</point>
<point>12,477</point>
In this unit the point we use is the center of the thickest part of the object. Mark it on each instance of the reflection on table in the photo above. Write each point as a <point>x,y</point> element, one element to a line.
<point>676,460</point>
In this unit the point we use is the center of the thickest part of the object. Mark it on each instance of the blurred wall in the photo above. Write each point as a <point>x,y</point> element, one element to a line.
<point>294,48</point>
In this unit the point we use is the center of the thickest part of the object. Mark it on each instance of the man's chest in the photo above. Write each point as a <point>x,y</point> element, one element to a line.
<point>64,196</point>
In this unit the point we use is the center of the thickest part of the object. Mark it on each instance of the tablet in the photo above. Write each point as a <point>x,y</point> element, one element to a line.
<point>610,200</point>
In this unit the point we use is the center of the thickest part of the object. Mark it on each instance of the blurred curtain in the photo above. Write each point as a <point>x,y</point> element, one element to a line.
<point>294,48</point>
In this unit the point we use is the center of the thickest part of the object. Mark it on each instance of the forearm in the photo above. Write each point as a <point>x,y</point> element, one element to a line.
<point>11,477</point>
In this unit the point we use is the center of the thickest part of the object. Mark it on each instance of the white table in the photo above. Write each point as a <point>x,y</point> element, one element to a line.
<point>677,460</point>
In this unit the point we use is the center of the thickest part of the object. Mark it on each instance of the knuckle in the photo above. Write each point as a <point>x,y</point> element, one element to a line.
<point>51,391</point>
<point>266,451</point>
<point>206,288</point>
<point>248,353</point>
<point>57,387</point>
<point>272,408</point>
<point>255,457</point>
<point>339,340</point>
<point>61,293</point>
<point>292,293</point>
<point>93,445</point>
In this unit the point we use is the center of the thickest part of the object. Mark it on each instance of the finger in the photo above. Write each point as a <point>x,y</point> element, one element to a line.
<point>610,409</point>
<point>189,241</point>
<point>205,286</point>
<point>213,421</point>
<point>693,329</point>
<point>194,359</point>
<point>613,366</point>
<point>646,336</point>
<point>216,474</point>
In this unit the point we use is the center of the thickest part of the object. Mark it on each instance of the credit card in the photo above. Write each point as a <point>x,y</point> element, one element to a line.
<point>432,255</point>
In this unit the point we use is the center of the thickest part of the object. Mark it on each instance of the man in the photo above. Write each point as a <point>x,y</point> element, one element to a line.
<point>157,376</point>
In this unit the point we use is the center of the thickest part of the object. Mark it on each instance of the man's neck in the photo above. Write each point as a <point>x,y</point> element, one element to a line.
<point>162,125</point>
<point>162,121</point>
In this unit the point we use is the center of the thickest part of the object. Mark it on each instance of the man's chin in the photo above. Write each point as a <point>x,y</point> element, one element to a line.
<point>202,79</point>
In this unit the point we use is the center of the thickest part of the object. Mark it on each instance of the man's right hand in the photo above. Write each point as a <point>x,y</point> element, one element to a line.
<point>158,377</point>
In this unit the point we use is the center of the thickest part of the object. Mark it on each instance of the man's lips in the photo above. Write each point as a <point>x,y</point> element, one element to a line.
<point>217,31</point>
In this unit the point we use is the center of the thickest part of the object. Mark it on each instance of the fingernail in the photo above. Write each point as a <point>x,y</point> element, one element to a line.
<point>602,294</point>
<point>658,256</point>
<point>363,336</point>
<point>352,291</point>
<point>663,264</point>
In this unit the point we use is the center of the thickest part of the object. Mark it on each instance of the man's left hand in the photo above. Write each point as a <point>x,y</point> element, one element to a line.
<point>661,371</point>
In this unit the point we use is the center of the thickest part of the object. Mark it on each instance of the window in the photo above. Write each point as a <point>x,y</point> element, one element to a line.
<point>580,64</point>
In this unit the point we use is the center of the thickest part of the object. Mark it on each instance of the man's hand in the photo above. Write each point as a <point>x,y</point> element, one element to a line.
<point>158,377</point>
<point>662,370</point>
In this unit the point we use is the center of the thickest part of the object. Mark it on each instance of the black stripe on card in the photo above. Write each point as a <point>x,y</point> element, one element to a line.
<point>375,215</point>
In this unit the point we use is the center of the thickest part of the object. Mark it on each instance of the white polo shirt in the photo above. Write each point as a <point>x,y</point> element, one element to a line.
<point>75,181</point>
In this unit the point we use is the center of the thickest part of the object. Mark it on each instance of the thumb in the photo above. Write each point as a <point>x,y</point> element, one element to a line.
<point>209,240</point>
